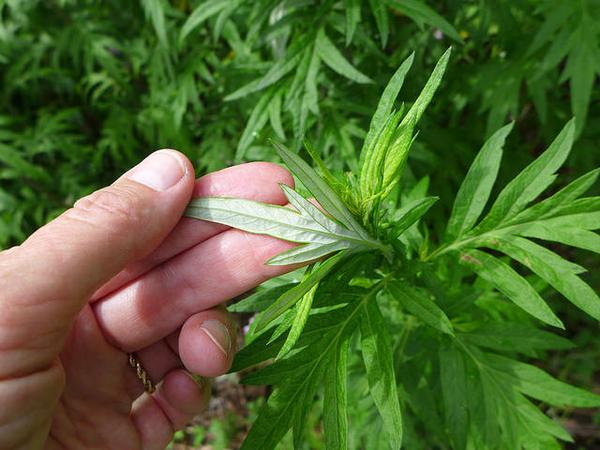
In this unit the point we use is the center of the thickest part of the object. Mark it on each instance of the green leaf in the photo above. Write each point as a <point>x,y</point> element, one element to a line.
<point>301,316</point>
<point>396,157</point>
<point>565,197</point>
<point>538,428</point>
<point>336,61</point>
<point>582,68</point>
<point>385,105</point>
<point>322,192</point>
<point>275,116</point>
<point>352,8</point>
<point>377,355</point>
<point>421,306</point>
<point>335,400</point>
<point>509,337</point>
<point>549,266</point>
<point>308,225</point>
<point>536,383</point>
<point>426,95</point>
<point>408,215</point>
<point>201,13</point>
<point>421,12</point>
<point>477,186</point>
<point>256,122</point>
<point>260,300</point>
<point>275,73</point>
<point>276,416</point>
<point>575,237</point>
<point>154,10</point>
<point>531,182</point>
<point>379,10</point>
<point>289,298</point>
<point>510,283</point>
<point>453,380</point>
<point>300,375</point>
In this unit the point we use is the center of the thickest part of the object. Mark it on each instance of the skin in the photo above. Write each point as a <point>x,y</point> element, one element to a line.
<point>122,272</point>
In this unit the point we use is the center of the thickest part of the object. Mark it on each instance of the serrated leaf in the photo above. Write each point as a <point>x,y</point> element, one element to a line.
<point>477,186</point>
<point>549,266</point>
<point>335,400</point>
<point>421,306</point>
<point>336,61</point>
<point>510,283</point>
<point>377,355</point>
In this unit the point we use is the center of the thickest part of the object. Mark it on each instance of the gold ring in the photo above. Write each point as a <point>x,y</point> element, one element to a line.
<point>141,373</point>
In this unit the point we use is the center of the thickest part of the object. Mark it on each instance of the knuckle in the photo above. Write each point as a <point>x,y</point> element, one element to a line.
<point>120,204</point>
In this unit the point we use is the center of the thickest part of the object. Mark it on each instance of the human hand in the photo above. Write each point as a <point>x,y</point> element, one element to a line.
<point>120,272</point>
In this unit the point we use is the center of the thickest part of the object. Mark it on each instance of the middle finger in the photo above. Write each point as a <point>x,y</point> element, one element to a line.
<point>158,303</point>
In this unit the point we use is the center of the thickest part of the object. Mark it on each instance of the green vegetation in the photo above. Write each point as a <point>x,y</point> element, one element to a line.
<point>441,321</point>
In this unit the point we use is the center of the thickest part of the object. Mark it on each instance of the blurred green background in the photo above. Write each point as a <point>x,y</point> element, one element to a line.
<point>88,88</point>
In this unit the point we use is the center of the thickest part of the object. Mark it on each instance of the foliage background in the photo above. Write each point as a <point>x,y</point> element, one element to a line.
<point>88,88</point>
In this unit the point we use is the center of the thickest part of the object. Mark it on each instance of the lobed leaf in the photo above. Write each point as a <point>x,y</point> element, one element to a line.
<point>556,271</point>
<point>531,182</point>
<point>536,383</point>
<point>510,283</point>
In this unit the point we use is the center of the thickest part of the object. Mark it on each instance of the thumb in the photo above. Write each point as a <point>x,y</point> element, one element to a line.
<point>49,278</point>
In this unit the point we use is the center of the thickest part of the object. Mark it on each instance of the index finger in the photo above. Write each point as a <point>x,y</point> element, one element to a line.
<point>253,181</point>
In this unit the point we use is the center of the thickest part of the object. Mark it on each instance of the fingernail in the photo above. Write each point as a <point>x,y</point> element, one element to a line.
<point>219,334</point>
<point>159,171</point>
